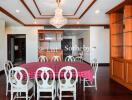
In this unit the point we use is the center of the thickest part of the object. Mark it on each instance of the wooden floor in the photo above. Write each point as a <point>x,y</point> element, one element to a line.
<point>107,89</point>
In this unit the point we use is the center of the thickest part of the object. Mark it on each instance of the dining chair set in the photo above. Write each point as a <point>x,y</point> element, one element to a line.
<point>69,58</point>
<point>45,80</point>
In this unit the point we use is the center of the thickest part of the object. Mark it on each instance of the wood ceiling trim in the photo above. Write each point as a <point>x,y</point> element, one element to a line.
<point>121,5</point>
<point>79,25</point>
<point>87,9</point>
<point>22,23</point>
<point>11,16</point>
<point>25,5</point>
<point>35,3</point>
<point>47,18</point>
<point>79,7</point>
<point>54,31</point>
<point>36,6</point>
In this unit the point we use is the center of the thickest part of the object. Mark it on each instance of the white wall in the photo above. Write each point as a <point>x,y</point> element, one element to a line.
<point>3,44</point>
<point>86,43</point>
<point>99,44</point>
<point>97,40</point>
<point>31,40</point>
<point>96,37</point>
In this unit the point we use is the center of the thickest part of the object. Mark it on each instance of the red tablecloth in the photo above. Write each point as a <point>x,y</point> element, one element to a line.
<point>84,70</point>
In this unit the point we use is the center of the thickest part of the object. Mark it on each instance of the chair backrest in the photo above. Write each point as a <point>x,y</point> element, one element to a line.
<point>7,66</point>
<point>68,76</point>
<point>45,77</point>
<point>10,63</point>
<point>70,58</point>
<point>56,59</point>
<point>16,77</point>
<point>94,65</point>
<point>79,59</point>
<point>43,59</point>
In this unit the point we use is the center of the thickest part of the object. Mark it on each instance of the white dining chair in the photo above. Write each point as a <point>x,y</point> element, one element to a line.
<point>67,79</point>
<point>79,58</point>
<point>56,59</point>
<point>88,83</point>
<point>20,83</point>
<point>45,79</point>
<point>43,59</point>
<point>70,58</point>
<point>7,66</point>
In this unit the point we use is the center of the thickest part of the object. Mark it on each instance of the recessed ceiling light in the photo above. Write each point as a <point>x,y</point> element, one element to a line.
<point>97,11</point>
<point>17,11</point>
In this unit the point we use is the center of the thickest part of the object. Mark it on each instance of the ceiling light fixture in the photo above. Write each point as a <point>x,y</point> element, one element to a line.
<point>97,11</point>
<point>58,20</point>
<point>17,11</point>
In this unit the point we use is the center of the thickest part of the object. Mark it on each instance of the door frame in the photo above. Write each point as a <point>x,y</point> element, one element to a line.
<point>9,36</point>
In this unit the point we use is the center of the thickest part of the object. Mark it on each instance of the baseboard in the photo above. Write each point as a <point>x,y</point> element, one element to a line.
<point>2,72</point>
<point>104,64</point>
<point>86,62</point>
<point>100,64</point>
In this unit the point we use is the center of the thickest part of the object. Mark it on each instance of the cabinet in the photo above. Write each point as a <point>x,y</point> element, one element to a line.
<point>118,69</point>
<point>50,43</point>
<point>50,53</point>
<point>121,44</point>
<point>50,35</point>
<point>129,72</point>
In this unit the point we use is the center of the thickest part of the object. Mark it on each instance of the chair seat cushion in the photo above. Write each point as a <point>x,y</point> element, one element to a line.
<point>29,86</point>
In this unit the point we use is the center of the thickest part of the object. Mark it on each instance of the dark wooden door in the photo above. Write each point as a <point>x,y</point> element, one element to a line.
<point>17,48</point>
<point>66,46</point>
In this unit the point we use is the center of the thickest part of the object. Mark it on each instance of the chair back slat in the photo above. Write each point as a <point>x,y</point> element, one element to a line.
<point>94,65</point>
<point>17,77</point>
<point>56,59</point>
<point>79,59</point>
<point>43,59</point>
<point>68,76</point>
<point>70,58</point>
<point>7,66</point>
<point>45,77</point>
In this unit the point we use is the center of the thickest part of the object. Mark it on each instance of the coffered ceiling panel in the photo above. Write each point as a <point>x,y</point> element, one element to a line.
<point>38,12</point>
<point>12,5</point>
<point>47,7</point>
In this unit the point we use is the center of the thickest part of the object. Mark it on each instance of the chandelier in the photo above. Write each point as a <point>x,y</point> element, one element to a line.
<point>58,20</point>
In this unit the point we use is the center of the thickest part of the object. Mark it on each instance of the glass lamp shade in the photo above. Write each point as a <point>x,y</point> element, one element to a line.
<point>58,20</point>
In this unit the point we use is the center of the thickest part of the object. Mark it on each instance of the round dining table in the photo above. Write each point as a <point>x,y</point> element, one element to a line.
<point>84,69</point>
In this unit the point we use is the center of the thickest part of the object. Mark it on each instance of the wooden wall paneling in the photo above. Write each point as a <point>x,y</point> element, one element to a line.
<point>128,24</point>
<point>111,67</point>
<point>128,31</point>
<point>128,39</point>
<point>121,44</point>
<point>128,11</point>
<point>129,72</point>
<point>118,69</point>
<point>128,53</point>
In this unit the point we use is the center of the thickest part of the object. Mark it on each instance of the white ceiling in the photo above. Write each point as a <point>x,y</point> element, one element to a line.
<point>47,7</point>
